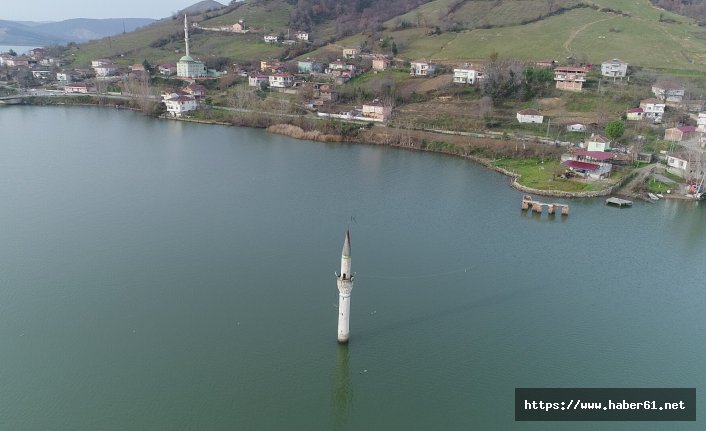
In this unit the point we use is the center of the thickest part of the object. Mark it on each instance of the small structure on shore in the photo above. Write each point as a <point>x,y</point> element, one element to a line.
<point>344,281</point>
<point>618,202</point>
<point>536,206</point>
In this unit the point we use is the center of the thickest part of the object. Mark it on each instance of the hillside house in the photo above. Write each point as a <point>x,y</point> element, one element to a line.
<point>271,38</point>
<point>668,91</point>
<point>614,69</point>
<point>167,69</point>
<point>421,68</point>
<point>198,91</point>
<point>575,127</point>
<point>597,142</point>
<point>679,134</point>
<point>106,70</point>
<point>257,79</point>
<point>37,53</point>
<point>380,63</point>
<point>101,62</point>
<point>341,69</point>
<point>351,52</point>
<point>19,61</point>
<point>467,74</point>
<point>79,87</point>
<point>179,105</point>
<point>272,66</point>
<point>570,78</point>
<point>701,122</point>
<point>63,76</point>
<point>376,110</point>
<point>589,164</point>
<point>137,67</point>
<point>634,114</point>
<point>685,165</point>
<point>238,27</point>
<point>169,93</point>
<point>281,80</point>
<point>302,35</point>
<point>530,116</point>
<point>653,109</point>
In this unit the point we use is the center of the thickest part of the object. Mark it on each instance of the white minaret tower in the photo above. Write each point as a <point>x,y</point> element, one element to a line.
<point>344,280</point>
<point>186,35</point>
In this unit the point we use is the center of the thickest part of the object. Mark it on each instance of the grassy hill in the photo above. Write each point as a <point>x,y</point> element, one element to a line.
<point>632,30</point>
<point>593,31</point>
<point>163,41</point>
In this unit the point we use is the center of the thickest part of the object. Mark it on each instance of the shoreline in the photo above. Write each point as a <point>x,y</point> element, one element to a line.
<point>296,132</point>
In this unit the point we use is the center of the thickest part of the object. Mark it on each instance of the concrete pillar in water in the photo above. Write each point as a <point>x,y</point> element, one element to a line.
<point>344,281</point>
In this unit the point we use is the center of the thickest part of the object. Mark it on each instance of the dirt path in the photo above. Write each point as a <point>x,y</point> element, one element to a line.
<point>634,187</point>
<point>572,36</point>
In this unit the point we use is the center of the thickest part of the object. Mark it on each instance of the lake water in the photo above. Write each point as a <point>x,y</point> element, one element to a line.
<point>19,49</point>
<point>166,275</point>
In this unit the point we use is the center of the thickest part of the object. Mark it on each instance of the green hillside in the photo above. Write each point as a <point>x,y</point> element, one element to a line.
<point>628,29</point>
<point>632,30</point>
<point>163,42</point>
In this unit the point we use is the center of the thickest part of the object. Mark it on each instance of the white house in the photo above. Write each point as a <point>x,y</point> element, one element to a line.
<point>530,116</point>
<point>686,165</point>
<point>467,75</point>
<point>281,80</point>
<point>701,122</point>
<point>614,69</point>
<point>653,109</point>
<point>421,68</point>
<point>63,76</point>
<point>107,69</point>
<point>597,143</point>
<point>271,38</point>
<point>178,105</point>
<point>100,62</point>
<point>302,35</point>
<point>575,127</point>
<point>668,91</point>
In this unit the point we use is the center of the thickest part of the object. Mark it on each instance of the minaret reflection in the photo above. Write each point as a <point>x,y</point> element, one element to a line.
<point>342,395</point>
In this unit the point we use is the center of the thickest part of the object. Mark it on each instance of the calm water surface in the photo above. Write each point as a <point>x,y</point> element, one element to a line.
<point>163,275</point>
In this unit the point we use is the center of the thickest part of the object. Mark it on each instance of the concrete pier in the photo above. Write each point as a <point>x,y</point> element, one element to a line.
<point>537,206</point>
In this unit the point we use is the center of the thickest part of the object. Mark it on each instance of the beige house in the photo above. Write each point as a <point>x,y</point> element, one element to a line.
<point>350,52</point>
<point>376,110</point>
<point>634,114</point>
<point>380,63</point>
<point>678,134</point>
<point>570,78</point>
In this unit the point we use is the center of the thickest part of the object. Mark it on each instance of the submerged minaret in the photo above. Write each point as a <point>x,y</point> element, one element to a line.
<point>186,35</point>
<point>344,280</point>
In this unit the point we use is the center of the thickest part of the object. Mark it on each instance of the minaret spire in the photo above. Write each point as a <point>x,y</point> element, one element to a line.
<point>186,35</point>
<point>344,282</point>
